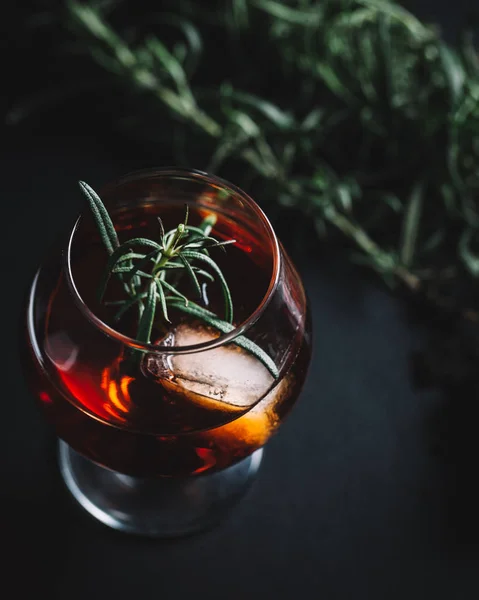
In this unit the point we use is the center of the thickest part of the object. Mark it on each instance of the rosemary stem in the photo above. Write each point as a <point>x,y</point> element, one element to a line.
<point>384,261</point>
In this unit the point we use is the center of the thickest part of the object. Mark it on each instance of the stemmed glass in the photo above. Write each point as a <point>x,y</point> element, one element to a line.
<point>167,446</point>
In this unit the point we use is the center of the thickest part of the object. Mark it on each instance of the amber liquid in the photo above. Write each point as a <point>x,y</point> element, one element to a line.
<point>124,416</point>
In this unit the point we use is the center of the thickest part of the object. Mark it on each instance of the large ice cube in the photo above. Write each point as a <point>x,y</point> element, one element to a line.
<point>228,374</point>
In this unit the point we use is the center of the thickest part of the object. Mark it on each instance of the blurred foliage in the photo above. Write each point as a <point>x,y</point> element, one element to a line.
<point>351,115</point>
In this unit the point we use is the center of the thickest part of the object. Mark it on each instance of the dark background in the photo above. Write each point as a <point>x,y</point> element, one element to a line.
<point>368,491</point>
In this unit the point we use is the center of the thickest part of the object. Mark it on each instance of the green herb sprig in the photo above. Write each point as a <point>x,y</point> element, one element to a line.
<point>150,271</point>
<point>371,131</point>
<point>368,133</point>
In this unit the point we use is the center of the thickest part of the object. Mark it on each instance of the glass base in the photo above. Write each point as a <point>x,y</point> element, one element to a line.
<point>161,507</point>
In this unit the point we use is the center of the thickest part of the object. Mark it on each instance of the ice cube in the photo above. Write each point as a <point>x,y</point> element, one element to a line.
<point>228,374</point>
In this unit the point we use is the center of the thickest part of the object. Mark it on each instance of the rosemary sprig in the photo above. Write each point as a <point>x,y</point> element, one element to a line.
<point>146,275</point>
<point>370,131</point>
<point>385,82</point>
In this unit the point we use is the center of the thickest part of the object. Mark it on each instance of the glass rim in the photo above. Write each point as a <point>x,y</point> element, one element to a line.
<point>222,339</point>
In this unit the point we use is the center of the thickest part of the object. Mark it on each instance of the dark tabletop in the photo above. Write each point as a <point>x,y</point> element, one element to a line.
<point>356,498</point>
<point>352,500</point>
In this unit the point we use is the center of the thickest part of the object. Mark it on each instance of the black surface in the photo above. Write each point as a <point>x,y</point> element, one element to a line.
<point>351,500</point>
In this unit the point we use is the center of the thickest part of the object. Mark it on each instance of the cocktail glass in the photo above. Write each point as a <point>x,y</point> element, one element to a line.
<point>167,447</point>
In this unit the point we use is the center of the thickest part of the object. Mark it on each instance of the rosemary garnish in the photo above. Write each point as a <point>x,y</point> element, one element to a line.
<point>362,75</point>
<point>150,271</point>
